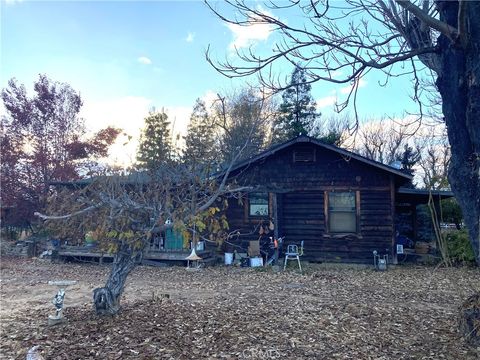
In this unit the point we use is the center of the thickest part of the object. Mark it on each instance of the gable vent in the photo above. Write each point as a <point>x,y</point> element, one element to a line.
<point>304,155</point>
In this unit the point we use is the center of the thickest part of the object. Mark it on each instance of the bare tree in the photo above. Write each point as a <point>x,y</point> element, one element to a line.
<point>332,129</point>
<point>124,210</point>
<point>397,37</point>
<point>382,141</point>
<point>434,161</point>
<point>244,120</point>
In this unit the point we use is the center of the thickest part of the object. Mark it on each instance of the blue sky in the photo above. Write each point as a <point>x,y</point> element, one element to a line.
<point>127,56</point>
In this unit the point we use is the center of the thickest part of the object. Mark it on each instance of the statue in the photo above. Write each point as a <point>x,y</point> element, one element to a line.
<point>57,301</point>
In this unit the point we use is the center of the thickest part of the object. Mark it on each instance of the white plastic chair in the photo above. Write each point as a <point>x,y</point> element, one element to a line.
<point>293,252</point>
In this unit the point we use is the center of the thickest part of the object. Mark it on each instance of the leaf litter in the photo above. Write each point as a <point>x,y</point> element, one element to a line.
<point>232,313</point>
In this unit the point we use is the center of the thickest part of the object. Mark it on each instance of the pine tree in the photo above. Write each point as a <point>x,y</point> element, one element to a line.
<point>408,159</point>
<point>200,139</point>
<point>297,112</point>
<point>155,146</point>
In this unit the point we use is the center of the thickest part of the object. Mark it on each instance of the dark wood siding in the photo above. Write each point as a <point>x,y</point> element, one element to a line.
<point>279,173</point>
<point>300,189</point>
<point>247,227</point>
<point>376,224</point>
<point>303,220</point>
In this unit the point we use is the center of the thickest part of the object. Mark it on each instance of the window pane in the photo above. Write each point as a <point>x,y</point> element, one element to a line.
<point>342,201</point>
<point>343,222</point>
<point>258,210</point>
<point>258,204</point>
<point>342,212</point>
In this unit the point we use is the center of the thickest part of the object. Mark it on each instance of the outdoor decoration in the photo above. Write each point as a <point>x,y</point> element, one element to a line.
<point>58,299</point>
<point>194,258</point>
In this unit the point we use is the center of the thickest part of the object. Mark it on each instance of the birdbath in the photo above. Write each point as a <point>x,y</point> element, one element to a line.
<point>194,258</point>
<point>58,301</point>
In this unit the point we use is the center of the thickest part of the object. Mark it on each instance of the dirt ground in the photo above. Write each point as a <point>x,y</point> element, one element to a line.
<point>236,313</point>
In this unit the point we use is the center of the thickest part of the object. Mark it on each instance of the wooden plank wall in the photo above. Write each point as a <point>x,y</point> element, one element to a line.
<point>248,228</point>
<point>300,190</point>
<point>304,219</point>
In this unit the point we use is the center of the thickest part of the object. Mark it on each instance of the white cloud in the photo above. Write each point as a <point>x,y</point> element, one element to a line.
<point>3,109</point>
<point>190,37</point>
<point>245,36</point>
<point>179,117</point>
<point>209,98</point>
<point>326,101</point>
<point>12,2</point>
<point>126,113</point>
<point>144,60</point>
<point>409,125</point>
<point>346,90</point>
<point>336,74</point>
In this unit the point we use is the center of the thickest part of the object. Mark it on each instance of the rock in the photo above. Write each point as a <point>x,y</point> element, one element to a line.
<point>52,320</point>
<point>34,354</point>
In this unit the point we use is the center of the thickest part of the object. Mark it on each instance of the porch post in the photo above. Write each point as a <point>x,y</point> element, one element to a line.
<point>392,198</point>
<point>275,215</point>
<point>413,208</point>
<point>275,223</point>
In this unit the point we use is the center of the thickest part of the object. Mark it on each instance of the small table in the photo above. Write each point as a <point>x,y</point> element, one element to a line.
<point>62,285</point>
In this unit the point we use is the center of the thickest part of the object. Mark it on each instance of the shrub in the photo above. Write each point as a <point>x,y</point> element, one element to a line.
<point>459,247</point>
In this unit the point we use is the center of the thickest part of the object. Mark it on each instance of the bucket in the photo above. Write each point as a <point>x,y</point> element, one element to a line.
<point>228,258</point>
<point>256,261</point>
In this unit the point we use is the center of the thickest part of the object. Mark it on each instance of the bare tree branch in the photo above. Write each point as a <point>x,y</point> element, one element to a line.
<point>447,30</point>
<point>67,216</point>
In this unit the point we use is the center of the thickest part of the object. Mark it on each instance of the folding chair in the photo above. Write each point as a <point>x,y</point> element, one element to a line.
<point>293,252</point>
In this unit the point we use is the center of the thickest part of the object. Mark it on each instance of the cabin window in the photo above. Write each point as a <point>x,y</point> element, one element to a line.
<point>342,212</point>
<point>258,204</point>
<point>304,155</point>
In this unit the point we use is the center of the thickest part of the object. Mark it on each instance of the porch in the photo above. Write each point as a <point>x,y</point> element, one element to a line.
<point>150,257</point>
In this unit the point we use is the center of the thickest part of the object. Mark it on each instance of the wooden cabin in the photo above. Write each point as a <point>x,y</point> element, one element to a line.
<point>340,204</point>
<point>343,206</point>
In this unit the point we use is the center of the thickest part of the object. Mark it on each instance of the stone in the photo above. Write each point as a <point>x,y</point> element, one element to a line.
<point>53,320</point>
<point>276,268</point>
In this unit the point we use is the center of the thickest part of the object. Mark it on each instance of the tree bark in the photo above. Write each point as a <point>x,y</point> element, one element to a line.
<point>459,86</point>
<point>106,300</point>
<point>470,318</point>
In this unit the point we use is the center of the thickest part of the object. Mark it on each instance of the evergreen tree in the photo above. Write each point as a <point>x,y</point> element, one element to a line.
<point>155,146</point>
<point>297,112</point>
<point>408,159</point>
<point>200,139</point>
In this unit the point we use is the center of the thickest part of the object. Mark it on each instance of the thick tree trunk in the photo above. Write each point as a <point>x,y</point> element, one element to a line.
<point>106,300</point>
<point>470,318</point>
<point>459,86</point>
